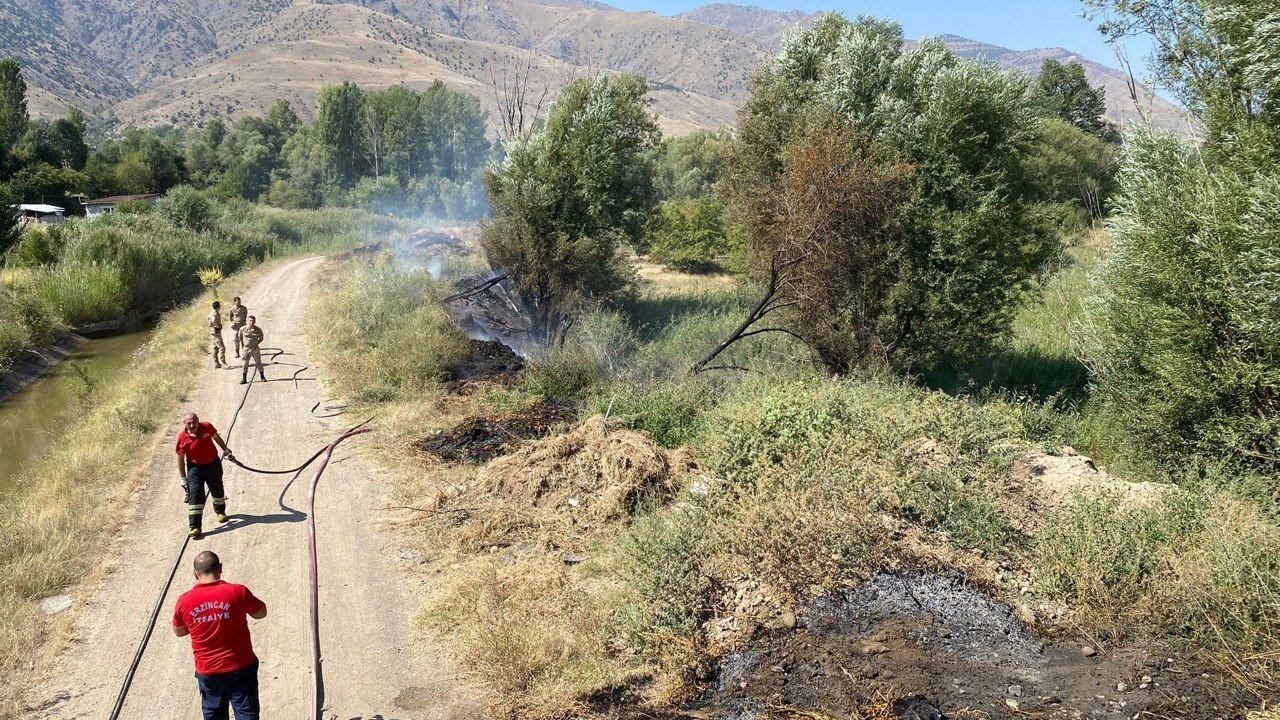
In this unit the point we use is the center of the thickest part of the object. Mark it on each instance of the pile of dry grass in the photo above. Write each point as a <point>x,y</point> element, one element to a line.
<point>525,614</point>
<point>592,475</point>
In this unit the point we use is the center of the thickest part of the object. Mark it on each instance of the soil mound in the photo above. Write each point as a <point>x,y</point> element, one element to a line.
<point>1040,483</point>
<point>481,439</point>
<point>595,471</point>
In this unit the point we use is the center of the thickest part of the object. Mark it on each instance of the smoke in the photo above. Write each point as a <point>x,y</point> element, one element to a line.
<point>447,251</point>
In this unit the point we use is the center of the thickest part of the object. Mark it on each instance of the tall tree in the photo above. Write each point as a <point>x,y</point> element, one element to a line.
<point>1182,334</point>
<point>454,126</point>
<point>339,130</point>
<point>1221,58</point>
<point>688,167</point>
<point>1069,96</point>
<point>565,197</point>
<point>964,244</point>
<point>282,117</point>
<point>13,104</point>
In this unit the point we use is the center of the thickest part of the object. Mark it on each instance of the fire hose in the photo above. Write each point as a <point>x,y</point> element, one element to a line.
<point>314,573</point>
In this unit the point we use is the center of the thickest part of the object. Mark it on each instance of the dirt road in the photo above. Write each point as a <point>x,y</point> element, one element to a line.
<point>375,666</point>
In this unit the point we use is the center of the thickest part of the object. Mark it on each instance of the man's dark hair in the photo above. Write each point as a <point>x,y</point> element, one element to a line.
<point>207,563</point>
<point>236,298</point>
<point>253,318</point>
<point>216,304</point>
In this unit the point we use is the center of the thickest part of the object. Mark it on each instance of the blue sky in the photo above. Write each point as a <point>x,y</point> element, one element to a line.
<point>1020,25</point>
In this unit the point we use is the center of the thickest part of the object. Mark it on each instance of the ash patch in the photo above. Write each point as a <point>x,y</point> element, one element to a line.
<point>930,646</point>
<point>483,438</point>
<point>945,615</point>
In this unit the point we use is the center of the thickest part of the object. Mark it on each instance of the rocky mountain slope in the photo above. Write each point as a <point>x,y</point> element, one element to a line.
<point>184,61</point>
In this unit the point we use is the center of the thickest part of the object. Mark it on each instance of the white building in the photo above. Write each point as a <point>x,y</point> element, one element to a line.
<point>32,213</point>
<point>102,206</point>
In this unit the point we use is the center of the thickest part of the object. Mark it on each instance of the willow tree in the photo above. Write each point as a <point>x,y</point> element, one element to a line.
<point>1183,334</point>
<point>567,197</point>
<point>934,151</point>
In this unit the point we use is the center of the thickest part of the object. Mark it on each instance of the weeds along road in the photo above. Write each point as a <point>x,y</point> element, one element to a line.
<point>374,665</point>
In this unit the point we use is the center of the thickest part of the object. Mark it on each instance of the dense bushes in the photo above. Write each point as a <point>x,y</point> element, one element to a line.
<point>691,236</point>
<point>132,266</point>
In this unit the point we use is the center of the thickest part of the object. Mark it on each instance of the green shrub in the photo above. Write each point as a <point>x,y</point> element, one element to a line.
<point>662,556</point>
<point>1198,564</point>
<point>133,207</point>
<point>188,208</point>
<point>40,245</point>
<point>689,235</point>
<point>561,374</point>
<point>1184,335</point>
<point>669,412</point>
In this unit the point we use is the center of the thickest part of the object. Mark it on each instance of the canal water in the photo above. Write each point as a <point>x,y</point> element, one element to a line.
<point>33,418</point>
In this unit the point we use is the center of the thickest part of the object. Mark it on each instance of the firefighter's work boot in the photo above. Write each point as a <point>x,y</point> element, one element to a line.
<point>194,533</point>
<point>222,518</point>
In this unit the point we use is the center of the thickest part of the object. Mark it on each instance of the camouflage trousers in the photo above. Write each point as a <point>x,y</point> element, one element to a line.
<point>252,353</point>
<point>235,335</point>
<point>219,348</point>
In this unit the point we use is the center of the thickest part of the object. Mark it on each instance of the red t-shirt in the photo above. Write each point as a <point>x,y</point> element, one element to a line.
<point>199,450</point>
<point>216,616</point>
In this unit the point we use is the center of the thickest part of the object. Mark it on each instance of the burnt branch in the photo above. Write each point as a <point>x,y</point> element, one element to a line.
<point>475,290</point>
<point>744,329</point>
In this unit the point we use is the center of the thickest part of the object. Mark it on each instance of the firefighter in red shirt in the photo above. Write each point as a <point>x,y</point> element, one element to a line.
<point>214,613</point>
<point>198,466</point>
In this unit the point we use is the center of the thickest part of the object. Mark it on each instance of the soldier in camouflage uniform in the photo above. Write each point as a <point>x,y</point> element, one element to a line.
<point>251,337</point>
<point>215,334</point>
<point>238,314</point>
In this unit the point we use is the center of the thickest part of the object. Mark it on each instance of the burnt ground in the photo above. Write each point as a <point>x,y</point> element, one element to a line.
<point>928,646</point>
<point>485,360</point>
<point>483,438</point>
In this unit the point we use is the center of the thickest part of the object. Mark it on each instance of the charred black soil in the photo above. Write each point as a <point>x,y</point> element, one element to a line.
<point>486,360</point>
<point>929,646</point>
<point>483,438</point>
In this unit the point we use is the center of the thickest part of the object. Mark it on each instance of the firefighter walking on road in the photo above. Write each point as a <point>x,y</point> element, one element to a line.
<point>251,336</point>
<point>199,467</point>
<point>215,335</point>
<point>238,314</point>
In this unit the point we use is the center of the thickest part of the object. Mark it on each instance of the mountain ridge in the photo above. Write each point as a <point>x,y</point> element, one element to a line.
<point>185,61</point>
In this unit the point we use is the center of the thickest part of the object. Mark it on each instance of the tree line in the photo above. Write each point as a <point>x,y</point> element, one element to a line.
<point>392,151</point>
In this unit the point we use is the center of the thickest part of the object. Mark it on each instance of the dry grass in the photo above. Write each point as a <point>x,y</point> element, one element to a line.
<point>537,630</point>
<point>662,281</point>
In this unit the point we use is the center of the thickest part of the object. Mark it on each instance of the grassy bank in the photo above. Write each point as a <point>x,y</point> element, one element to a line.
<point>803,484</point>
<point>69,502</point>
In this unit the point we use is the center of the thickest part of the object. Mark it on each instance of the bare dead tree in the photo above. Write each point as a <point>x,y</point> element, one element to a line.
<point>519,100</point>
<point>776,297</point>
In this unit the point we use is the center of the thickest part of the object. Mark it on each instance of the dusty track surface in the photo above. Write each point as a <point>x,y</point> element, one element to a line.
<point>375,665</point>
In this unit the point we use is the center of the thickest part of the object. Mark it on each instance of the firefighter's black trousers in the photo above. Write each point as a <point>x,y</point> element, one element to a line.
<point>198,476</point>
